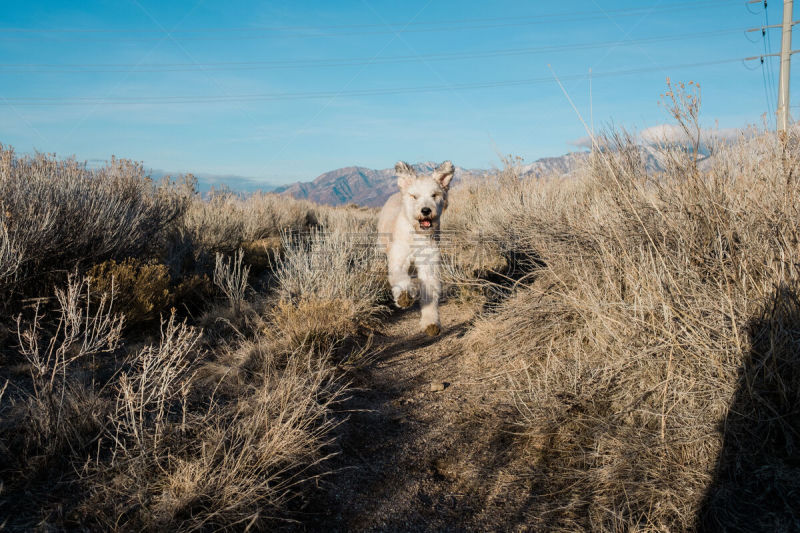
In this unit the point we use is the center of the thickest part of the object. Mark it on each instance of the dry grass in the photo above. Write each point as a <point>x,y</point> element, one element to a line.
<point>182,434</point>
<point>55,415</point>
<point>653,354</point>
<point>312,322</point>
<point>331,285</point>
<point>226,221</point>
<point>230,277</point>
<point>10,257</point>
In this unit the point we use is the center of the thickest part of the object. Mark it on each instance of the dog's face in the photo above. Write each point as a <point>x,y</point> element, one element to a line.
<point>424,197</point>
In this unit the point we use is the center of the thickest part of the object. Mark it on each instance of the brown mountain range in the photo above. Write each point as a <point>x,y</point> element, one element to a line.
<point>370,187</point>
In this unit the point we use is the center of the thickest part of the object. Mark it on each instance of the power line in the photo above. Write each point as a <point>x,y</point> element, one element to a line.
<point>766,87</point>
<point>765,36</point>
<point>199,99</point>
<point>334,62</point>
<point>360,29</point>
<point>623,11</point>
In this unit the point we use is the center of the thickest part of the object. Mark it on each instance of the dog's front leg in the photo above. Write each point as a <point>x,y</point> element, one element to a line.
<point>430,291</point>
<point>399,257</point>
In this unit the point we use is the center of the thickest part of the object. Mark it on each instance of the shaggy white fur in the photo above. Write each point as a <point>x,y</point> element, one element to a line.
<point>408,226</point>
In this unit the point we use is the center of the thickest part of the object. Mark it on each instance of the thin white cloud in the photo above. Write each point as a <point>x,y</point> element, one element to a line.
<point>673,134</point>
<point>581,142</point>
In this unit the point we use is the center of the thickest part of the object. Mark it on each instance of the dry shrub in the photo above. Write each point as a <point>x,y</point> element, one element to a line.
<point>211,430</point>
<point>234,312</point>
<point>209,459</point>
<point>142,288</point>
<point>193,292</point>
<point>331,265</point>
<point>487,227</point>
<point>348,219</point>
<point>756,480</point>
<point>214,225</point>
<point>10,258</point>
<point>226,221</point>
<point>57,416</point>
<point>270,215</point>
<point>149,392</point>
<point>59,214</point>
<point>666,305</point>
<point>141,442</point>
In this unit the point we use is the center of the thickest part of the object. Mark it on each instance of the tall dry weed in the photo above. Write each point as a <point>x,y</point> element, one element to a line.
<point>230,277</point>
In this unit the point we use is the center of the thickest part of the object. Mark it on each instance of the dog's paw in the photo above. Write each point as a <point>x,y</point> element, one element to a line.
<point>432,330</point>
<point>404,300</point>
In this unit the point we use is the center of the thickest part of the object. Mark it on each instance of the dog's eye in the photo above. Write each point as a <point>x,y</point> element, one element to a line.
<point>435,195</point>
<point>414,196</point>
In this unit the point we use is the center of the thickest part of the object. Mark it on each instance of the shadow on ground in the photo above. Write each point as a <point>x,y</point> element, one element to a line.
<point>756,485</point>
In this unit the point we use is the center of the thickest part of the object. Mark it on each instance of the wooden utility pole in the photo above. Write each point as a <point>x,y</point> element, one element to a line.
<point>786,62</point>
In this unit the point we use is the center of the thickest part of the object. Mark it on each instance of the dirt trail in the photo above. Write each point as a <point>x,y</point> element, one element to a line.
<point>410,459</point>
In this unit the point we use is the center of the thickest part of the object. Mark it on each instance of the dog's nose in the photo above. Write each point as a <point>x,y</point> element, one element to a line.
<point>426,211</point>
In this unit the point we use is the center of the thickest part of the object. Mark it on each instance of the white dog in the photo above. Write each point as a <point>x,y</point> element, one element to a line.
<point>409,228</point>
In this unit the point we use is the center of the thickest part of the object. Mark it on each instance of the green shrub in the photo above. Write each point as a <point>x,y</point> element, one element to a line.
<point>141,289</point>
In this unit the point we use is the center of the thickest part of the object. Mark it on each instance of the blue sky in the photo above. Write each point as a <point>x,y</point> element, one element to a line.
<point>241,73</point>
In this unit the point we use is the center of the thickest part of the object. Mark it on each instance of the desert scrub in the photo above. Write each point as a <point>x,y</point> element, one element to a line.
<point>139,440</point>
<point>223,221</point>
<point>59,214</point>
<point>348,219</point>
<point>319,323</point>
<point>639,350</point>
<point>487,229</point>
<point>10,258</point>
<point>270,215</point>
<point>196,430</point>
<point>261,254</point>
<point>208,441</point>
<point>56,413</point>
<point>230,277</point>
<point>328,285</point>
<point>214,225</point>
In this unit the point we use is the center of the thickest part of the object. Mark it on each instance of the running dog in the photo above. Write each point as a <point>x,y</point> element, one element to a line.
<point>408,227</point>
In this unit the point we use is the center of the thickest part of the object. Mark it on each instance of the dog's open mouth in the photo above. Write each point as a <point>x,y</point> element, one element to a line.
<point>426,223</point>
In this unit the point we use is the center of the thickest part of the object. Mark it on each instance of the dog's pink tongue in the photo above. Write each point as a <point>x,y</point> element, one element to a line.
<point>425,223</point>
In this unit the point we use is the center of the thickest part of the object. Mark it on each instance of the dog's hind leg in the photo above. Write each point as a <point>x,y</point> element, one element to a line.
<point>430,291</point>
<point>399,256</point>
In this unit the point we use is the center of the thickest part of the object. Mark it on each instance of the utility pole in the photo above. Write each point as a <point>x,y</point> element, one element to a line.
<point>591,107</point>
<point>786,61</point>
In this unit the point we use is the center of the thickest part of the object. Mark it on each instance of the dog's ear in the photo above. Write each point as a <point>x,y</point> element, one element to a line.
<point>444,173</point>
<point>405,175</point>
